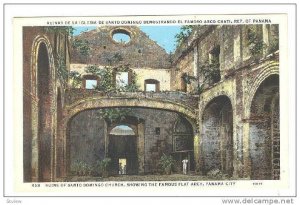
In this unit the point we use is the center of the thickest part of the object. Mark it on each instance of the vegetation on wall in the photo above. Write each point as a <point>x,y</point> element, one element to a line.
<point>274,43</point>
<point>114,114</point>
<point>113,59</point>
<point>107,76</point>
<point>61,67</point>
<point>210,73</point>
<point>75,79</point>
<point>66,30</point>
<point>255,42</point>
<point>60,59</point>
<point>82,46</point>
<point>187,78</point>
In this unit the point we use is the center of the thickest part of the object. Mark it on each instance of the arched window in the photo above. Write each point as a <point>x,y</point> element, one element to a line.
<point>122,130</point>
<point>151,85</point>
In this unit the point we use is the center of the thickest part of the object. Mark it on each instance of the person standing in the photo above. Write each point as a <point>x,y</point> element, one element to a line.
<point>184,165</point>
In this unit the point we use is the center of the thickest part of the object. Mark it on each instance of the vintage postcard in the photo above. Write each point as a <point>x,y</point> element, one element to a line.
<point>189,105</point>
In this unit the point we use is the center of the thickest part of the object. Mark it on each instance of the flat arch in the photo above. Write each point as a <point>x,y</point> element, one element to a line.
<point>99,102</point>
<point>217,136</point>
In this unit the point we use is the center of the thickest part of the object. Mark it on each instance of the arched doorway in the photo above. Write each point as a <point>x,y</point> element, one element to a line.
<point>217,139</point>
<point>183,144</point>
<point>264,131</point>
<point>122,149</point>
<point>44,113</point>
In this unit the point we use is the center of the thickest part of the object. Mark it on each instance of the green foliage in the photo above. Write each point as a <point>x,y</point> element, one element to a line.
<point>66,30</point>
<point>61,67</point>
<point>187,78</point>
<point>75,78</point>
<point>255,42</point>
<point>82,46</point>
<point>185,32</point>
<point>102,167</point>
<point>114,114</point>
<point>106,83</point>
<point>113,59</point>
<point>81,168</point>
<point>93,69</point>
<point>167,162</point>
<point>210,72</point>
<point>274,44</point>
<point>200,89</point>
<point>132,86</point>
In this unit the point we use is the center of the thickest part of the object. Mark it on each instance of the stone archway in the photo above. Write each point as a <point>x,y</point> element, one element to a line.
<point>42,74</point>
<point>264,136</point>
<point>44,93</point>
<point>217,136</point>
<point>183,144</point>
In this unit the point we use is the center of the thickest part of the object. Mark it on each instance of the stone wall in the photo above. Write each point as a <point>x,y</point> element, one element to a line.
<point>41,82</point>
<point>139,52</point>
<point>87,136</point>
<point>142,74</point>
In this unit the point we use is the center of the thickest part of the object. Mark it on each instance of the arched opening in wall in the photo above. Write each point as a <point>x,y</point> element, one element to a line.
<point>44,113</point>
<point>122,149</point>
<point>92,136</point>
<point>183,144</point>
<point>217,136</point>
<point>59,140</point>
<point>152,85</point>
<point>90,81</point>
<point>264,131</point>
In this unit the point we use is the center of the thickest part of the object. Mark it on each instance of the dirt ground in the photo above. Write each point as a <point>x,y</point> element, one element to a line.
<point>172,177</point>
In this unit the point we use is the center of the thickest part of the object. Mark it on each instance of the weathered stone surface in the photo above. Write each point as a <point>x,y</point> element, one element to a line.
<point>139,52</point>
<point>238,137</point>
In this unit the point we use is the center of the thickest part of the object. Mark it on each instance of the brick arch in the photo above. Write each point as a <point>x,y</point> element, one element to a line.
<point>264,133</point>
<point>40,171</point>
<point>99,102</point>
<point>209,99</point>
<point>217,136</point>
<point>273,69</point>
<point>34,57</point>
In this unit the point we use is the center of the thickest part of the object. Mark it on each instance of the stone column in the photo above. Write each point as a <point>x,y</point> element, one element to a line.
<point>141,147</point>
<point>265,30</point>
<point>35,141</point>
<point>106,138</point>
<point>246,154</point>
<point>196,61</point>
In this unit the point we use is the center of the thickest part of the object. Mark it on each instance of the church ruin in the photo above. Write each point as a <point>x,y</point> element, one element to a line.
<point>90,97</point>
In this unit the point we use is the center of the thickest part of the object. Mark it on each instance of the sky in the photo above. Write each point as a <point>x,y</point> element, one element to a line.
<point>163,35</point>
